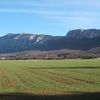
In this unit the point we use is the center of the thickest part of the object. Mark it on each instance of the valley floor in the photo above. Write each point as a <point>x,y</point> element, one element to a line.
<point>50,79</point>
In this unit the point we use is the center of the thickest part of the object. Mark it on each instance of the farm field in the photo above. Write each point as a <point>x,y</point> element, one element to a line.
<point>50,77</point>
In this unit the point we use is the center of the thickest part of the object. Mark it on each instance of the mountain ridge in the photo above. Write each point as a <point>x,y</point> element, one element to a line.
<point>83,33</point>
<point>78,39</point>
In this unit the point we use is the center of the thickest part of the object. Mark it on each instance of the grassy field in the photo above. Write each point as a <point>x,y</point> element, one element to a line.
<point>63,79</point>
<point>53,77</point>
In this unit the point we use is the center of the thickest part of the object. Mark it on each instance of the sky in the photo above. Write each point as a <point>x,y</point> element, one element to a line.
<point>51,17</point>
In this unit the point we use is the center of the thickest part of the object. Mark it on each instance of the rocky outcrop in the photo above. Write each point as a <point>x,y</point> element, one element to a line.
<point>80,33</point>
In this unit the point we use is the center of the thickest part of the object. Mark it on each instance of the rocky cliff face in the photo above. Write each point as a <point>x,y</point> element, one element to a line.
<point>80,33</point>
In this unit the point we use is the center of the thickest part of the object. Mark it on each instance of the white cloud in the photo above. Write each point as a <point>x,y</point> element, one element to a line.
<point>57,9</point>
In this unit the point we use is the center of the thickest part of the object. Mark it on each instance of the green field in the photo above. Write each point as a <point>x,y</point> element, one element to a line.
<point>50,77</point>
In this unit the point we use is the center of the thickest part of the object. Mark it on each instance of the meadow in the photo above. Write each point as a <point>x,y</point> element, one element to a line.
<point>50,77</point>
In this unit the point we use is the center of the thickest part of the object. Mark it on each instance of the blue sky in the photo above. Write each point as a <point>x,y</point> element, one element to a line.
<point>54,17</point>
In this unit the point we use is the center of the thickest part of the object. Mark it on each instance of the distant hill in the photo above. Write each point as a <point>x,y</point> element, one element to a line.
<point>75,39</point>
